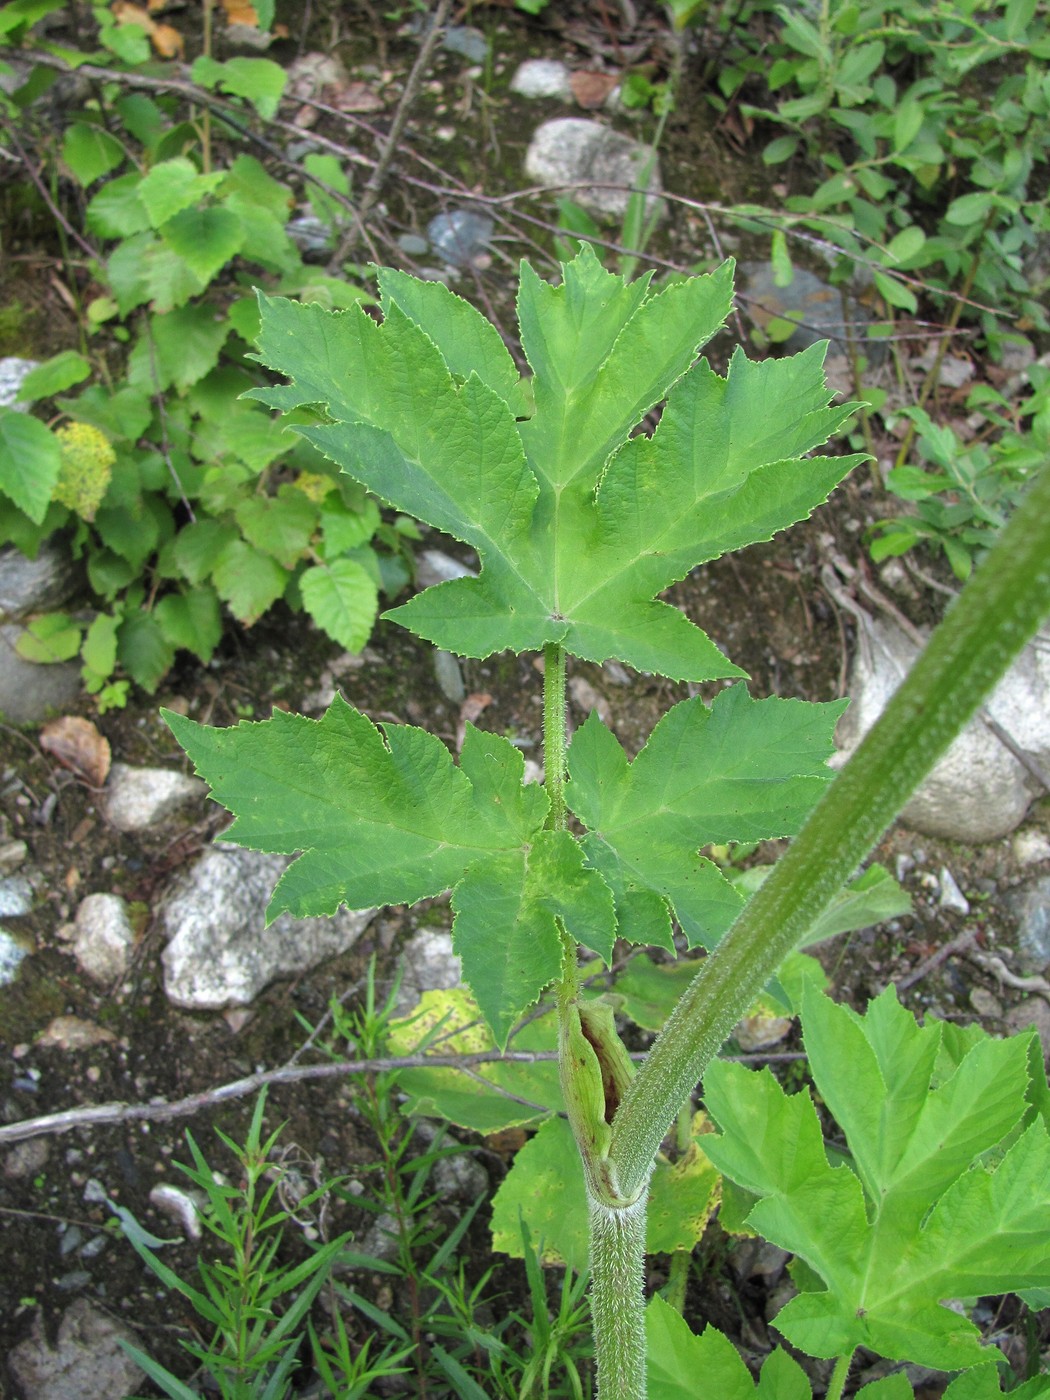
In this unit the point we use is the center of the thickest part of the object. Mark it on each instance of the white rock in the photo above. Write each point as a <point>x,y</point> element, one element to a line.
<point>86,1358</point>
<point>140,798</point>
<point>104,937</point>
<point>952,897</point>
<point>1031,847</point>
<point>429,964</point>
<point>435,566</point>
<point>36,585</point>
<point>13,371</point>
<point>571,151</point>
<point>542,77</point>
<point>979,791</point>
<point>220,952</point>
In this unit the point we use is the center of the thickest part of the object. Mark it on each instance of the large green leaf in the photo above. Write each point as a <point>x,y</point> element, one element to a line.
<point>578,528</point>
<point>945,1198</point>
<point>387,817</point>
<point>739,770</point>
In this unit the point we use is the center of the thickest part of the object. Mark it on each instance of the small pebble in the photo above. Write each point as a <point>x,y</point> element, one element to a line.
<point>952,896</point>
<point>985,1004</point>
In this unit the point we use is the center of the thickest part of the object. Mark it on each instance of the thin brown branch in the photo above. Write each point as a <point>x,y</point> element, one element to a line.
<point>109,1114</point>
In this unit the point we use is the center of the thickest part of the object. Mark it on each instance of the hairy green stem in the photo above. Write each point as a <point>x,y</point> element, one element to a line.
<point>838,1377</point>
<point>554,739</point>
<point>994,616</point>
<point>617,1298</point>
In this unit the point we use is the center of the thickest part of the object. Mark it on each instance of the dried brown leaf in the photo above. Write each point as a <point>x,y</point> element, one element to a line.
<point>78,746</point>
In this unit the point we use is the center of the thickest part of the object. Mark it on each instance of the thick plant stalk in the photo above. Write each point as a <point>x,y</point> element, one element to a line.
<point>997,612</point>
<point>617,1298</point>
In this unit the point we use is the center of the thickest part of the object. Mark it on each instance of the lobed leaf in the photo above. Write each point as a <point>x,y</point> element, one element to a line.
<point>942,1199</point>
<point>739,770</point>
<point>577,525</point>
<point>386,817</point>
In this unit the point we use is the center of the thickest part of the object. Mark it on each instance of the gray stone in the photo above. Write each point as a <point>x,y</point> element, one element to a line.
<point>1030,847</point>
<point>542,77</point>
<point>978,791</point>
<point>104,937</point>
<point>815,304</point>
<point>140,798</point>
<point>12,951</point>
<point>87,1359</point>
<point>29,693</point>
<point>36,585</point>
<point>13,372</point>
<point>460,236</point>
<point>570,151</point>
<point>380,1240</point>
<point>449,676</point>
<point>952,897</point>
<point>429,964</point>
<point>435,566</point>
<point>309,233</point>
<point>220,952</point>
<point>467,41</point>
<point>27,1158</point>
<point>16,896</point>
<point>1032,1013</point>
<point>1031,906</point>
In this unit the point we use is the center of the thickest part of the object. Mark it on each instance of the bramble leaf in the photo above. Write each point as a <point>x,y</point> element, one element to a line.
<point>945,1197</point>
<point>739,770</point>
<point>578,526</point>
<point>386,817</point>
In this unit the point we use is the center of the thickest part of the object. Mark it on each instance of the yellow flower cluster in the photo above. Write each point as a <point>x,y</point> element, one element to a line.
<point>86,469</point>
<point>314,485</point>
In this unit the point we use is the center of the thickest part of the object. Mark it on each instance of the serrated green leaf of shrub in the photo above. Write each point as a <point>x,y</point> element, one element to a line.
<point>280,525</point>
<point>205,239</point>
<point>170,281</point>
<point>181,347</point>
<point>650,990</point>
<point>741,770</point>
<point>30,460</point>
<point>90,151</point>
<point>560,562</point>
<point>192,621</point>
<point>343,529</point>
<point>248,581</point>
<point>342,599</point>
<point>248,180</point>
<point>922,1220</point>
<point>199,545</point>
<point>60,372</point>
<point>133,534</point>
<point>172,186</point>
<point>258,79</point>
<point>143,650</point>
<point>49,639</point>
<point>123,415</point>
<point>116,211</point>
